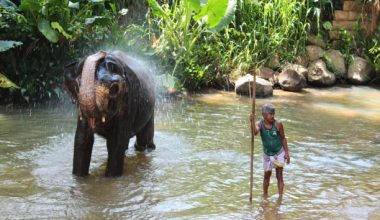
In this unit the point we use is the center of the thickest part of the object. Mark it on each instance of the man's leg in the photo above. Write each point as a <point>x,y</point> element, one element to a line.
<point>266,181</point>
<point>280,181</point>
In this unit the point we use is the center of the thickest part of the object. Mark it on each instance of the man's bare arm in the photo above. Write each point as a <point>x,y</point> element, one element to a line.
<point>254,129</point>
<point>284,141</point>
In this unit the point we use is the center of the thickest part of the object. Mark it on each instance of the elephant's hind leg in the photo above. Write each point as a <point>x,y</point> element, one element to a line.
<point>144,139</point>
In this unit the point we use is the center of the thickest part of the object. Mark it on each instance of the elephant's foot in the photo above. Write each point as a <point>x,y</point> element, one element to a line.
<point>140,147</point>
<point>81,163</point>
<point>148,147</point>
<point>115,166</point>
<point>151,147</point>
<point>114,172</point>
<point>80,172</point>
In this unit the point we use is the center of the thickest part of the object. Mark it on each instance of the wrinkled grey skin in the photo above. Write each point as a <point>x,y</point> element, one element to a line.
<point>115,96</point>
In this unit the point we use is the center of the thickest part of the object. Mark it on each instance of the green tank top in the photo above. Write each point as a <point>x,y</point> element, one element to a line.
<point>271,139</point>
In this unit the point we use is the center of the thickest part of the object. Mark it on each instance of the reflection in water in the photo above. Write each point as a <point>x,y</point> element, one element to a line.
<point>200,169</point>
<point>271,211</point>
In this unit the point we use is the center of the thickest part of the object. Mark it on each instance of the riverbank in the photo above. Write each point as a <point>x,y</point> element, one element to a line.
<point>341,101</point>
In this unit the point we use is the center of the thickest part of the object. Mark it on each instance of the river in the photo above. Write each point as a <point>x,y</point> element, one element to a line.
<point>200,168</point>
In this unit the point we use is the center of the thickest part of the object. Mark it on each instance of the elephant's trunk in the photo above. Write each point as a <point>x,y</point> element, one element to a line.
<point>87,100</point>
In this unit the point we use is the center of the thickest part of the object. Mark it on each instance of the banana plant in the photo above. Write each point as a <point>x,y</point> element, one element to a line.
<point>217,14</point>
<point>47,13</point>
<point>182,24</point>
<point>4,46</point>
<point>6,83</point>
<point>8,44</point>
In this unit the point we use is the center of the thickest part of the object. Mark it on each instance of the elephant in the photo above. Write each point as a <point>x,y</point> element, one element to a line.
<point>115,97</point>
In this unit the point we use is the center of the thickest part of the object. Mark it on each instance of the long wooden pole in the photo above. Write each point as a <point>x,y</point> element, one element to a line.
<point>252,134</point>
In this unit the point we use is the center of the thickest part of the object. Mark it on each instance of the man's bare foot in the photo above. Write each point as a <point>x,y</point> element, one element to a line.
<point>279,200</point>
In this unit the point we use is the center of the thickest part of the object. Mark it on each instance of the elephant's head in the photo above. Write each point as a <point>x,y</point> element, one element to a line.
<point>99,85</point>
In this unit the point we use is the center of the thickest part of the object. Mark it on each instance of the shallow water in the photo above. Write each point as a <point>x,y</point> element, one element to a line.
<point>200,169</point>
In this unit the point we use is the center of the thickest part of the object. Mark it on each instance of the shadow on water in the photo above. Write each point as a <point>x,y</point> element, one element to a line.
<point>271,211</point>
<point>200,169</point>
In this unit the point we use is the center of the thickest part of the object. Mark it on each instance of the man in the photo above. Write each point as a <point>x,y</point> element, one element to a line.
<point>275,147</point>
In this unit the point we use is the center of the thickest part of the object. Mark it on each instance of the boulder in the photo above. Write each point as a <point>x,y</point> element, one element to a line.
<point>222,82</point>
<point>298,68</point>
<point>375,82</point>
<point>265,73</point>
<point>336,44</point>
<point>291,80</point>
<point>244,84</point>
<point>336,63</point>
<point>319,75</point>
<point>274,80</point>
<point>302,60</point>
<point>274,62</point>
<point>314,52</point>
<point>360,71</point>
<point>315,40</point>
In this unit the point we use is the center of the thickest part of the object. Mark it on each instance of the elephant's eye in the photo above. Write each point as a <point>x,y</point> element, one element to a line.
<point>113,68</point>
<point>110,67</point>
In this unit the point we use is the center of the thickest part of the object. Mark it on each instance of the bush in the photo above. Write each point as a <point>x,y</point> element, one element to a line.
<point>52,33</point>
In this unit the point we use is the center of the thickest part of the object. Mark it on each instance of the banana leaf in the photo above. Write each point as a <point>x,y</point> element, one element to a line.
<point>6,83</point>
<point>8,44</point>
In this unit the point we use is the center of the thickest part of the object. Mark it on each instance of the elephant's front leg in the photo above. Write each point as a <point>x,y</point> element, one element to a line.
<point>84,140</point>
<point>116,146</point>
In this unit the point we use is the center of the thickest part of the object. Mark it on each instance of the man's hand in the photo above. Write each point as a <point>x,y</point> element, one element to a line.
<point>251,118</point>
<point>287,157</point>
<point>253,126</point>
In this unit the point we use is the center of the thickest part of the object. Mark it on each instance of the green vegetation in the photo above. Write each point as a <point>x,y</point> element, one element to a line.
<point>6,83</point>
<point>203,43</point>
<point>40,36</point>
<point>375,52</point>
<point>183,33</point>
<point>261,30</point>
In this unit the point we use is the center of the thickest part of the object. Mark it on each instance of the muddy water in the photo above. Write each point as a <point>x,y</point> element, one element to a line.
<point>200,169</point>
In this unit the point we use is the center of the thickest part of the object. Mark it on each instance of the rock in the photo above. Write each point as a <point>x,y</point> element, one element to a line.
<point>265,73</point>
<point>298,68</point>
<point>302,60</point>
<point>244,84</point>
<point>315,40</point>
<point>274,62</point>
<point>314,52</point>
<point>346,15</point>
<point>319,75</point>
<point>346,25</point>
<point>291,80</point>
<point>336,44</point>
<point>352,6</point>
<point>360,71</point>
<point>336,63</point>
<point>222,82</point>
<point>274,80</point>
<point>375,82</point>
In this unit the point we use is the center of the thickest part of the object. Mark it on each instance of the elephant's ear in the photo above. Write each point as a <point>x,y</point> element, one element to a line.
<point>71,74</point>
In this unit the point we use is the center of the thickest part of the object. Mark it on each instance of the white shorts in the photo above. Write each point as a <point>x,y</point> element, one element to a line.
<point>275,161</point>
